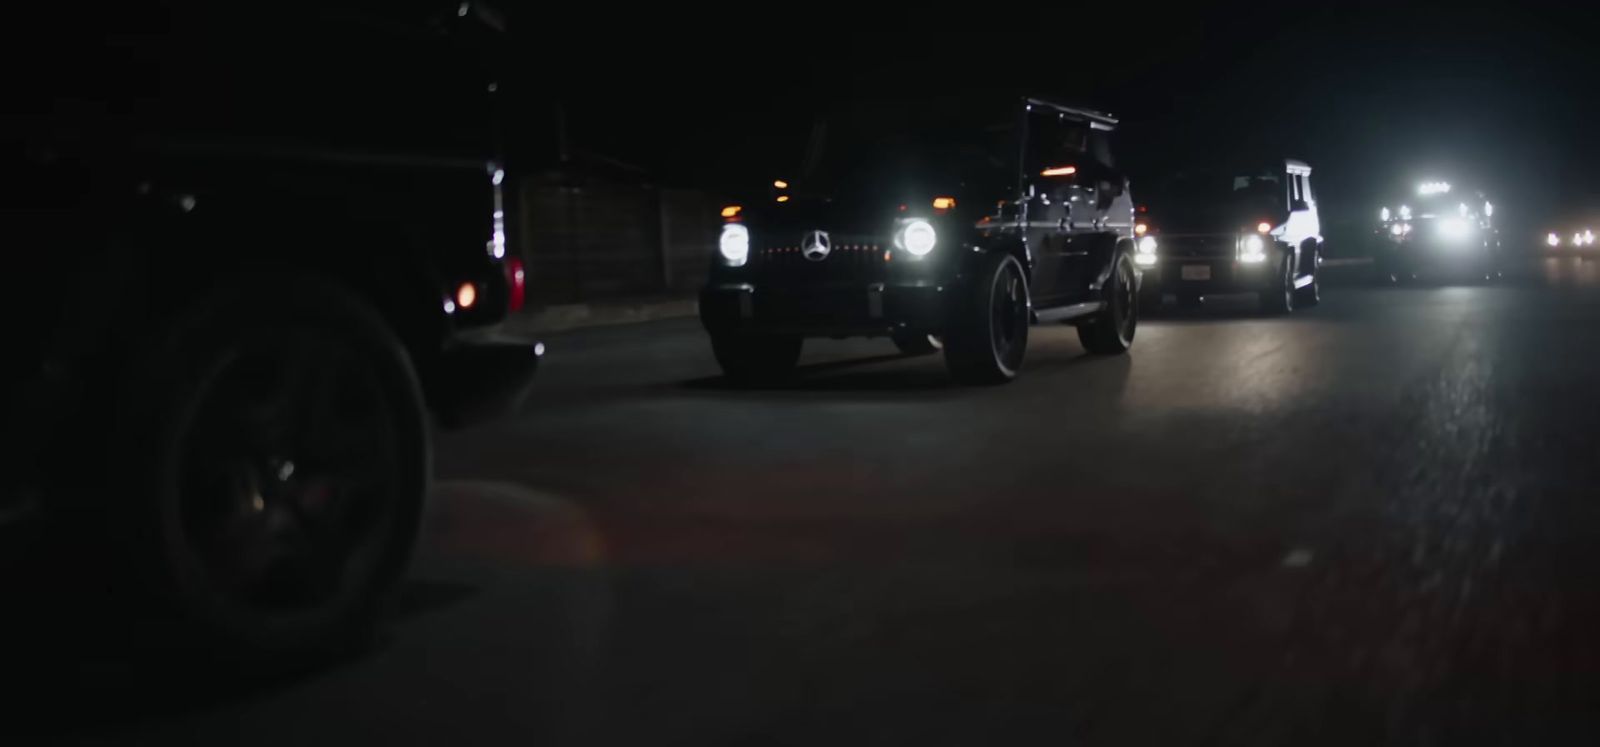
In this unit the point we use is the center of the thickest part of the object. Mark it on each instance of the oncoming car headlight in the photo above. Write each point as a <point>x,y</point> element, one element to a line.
<point>917,236</point>
<point>1145,252</point>
<point>734,244</point>
<point>1252,249</point>
<point>1551,239</point>
<point>1454,229</point>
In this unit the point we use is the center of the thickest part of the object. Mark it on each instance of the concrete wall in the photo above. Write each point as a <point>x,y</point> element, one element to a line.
<point>597,241</point>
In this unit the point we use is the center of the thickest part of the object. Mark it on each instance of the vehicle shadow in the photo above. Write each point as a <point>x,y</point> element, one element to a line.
<point>857,374</point>
<point>851,374</point>
<point>506,585</point>
<point>1214,308</point>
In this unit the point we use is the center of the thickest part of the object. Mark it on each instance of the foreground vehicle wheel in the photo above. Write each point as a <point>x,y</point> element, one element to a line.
<point>1279,298</point>
<point>752,359</point>
<point>989,329</point>
<point>280,461</point>
<point>912,343</point>
<point>1111,331</point>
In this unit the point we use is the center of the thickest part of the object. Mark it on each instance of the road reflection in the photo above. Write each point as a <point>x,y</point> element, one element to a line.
<point>1570,272</point>
<point>497,632</point>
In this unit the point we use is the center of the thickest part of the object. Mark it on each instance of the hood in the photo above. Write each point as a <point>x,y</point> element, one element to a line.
<point>863,212</point>
<point>1214,220</point>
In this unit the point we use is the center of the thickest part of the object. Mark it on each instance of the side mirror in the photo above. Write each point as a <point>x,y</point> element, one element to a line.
<point>1297,204</point>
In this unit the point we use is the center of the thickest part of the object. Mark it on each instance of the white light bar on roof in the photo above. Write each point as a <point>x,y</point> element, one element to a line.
<point>1433,188</point>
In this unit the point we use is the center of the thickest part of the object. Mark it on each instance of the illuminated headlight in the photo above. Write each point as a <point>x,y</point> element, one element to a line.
<point>1398,229</point>
<point>1454,229</point>
<point>918,237</point>
<point>1405,213</point>
<point>734,244</point>
<point>1550,239</point>
<point>497,244</point>
<point>1252,249</point>
<point>1145,255</point>
<point>1588,236</point>
<point>1383,214</point>
<point>1577,239</point>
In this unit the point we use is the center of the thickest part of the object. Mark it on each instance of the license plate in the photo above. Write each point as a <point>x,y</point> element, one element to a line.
<point>1197,272</point>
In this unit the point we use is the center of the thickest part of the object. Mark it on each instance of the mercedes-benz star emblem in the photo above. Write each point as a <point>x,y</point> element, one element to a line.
<point>815,246</point>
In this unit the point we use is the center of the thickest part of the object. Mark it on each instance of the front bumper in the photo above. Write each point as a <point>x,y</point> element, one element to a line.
<point>1220,275</point>
<point>1427,255</point>
<point>833,310</point>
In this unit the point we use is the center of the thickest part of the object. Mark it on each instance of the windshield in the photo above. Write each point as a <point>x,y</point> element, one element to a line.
<point>346,75</point>
<point>898,151</point>
<point>1187,195</point>
<point>1441,205</point>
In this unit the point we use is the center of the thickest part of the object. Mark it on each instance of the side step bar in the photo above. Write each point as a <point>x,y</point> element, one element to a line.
<point>1063,313</point>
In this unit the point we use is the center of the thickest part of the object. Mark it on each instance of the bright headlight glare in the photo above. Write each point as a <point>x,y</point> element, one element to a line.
<point>1383,214</point>
<point>1147,245</point>
<point>1552,239</point>
<point>1397,229</point>
<point>1252,249</point>
<point>918,237</point>
<point>497,241</point>
<point>734,244</point>
<point>1454,229</point>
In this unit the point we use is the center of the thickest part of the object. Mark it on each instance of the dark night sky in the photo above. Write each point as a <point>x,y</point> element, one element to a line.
<point>1375,97</point>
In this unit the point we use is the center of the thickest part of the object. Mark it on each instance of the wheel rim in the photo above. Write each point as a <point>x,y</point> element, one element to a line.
<point>285,472</point>
<point>1124,303</point>
<point>1288,285</point>
<point>1008,310</point>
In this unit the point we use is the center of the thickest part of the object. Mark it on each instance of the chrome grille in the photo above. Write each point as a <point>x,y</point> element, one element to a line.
<point>849,259</point>
<point>1198,247</point>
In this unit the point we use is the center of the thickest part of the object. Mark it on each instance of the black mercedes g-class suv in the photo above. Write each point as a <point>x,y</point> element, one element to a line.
<point>1232,230</point>
<point>247,248</point>
<point>1442,230</point>
<point>959,226</point>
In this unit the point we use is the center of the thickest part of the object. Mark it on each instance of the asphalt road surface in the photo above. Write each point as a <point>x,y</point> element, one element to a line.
<point>1373,522</point>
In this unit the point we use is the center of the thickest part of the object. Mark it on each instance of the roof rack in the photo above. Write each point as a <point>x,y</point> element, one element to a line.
<point>1105,121</point>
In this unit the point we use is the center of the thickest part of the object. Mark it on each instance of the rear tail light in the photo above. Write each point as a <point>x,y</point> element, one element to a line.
<point>516,284</point>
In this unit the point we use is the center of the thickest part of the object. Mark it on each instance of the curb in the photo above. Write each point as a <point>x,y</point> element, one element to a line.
<point>579,315</point>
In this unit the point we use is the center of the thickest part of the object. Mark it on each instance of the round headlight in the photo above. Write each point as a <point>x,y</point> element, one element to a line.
<point>1397,229</point>
<point>918,237</point>
<point>1552,239</point>
<point>734,244</point>
<point>1147,245</point>
<point>1252,249</point>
